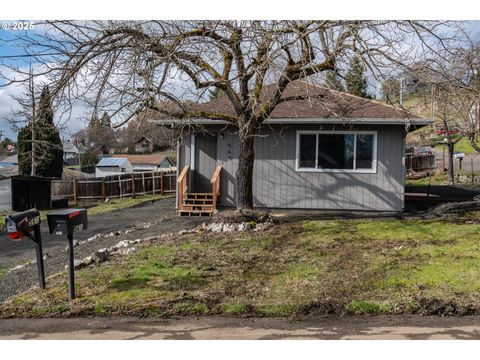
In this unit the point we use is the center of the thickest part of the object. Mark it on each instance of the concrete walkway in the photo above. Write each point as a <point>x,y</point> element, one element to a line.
<point>381,327</point>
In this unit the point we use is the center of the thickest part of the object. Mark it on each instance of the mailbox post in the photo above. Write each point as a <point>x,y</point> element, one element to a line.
<point>22,225</point>
<point>67,222</point>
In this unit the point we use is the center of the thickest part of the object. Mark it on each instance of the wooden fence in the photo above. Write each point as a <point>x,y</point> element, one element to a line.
<point>115,186</point>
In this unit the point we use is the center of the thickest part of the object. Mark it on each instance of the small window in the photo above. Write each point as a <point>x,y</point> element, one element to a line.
<point>336,151</point>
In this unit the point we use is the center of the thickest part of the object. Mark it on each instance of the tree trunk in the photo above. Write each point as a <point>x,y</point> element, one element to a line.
<point>244,175</point>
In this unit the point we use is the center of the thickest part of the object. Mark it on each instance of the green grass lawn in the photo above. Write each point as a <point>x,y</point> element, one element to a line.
<point>462,146</point>
<point>313,267</point>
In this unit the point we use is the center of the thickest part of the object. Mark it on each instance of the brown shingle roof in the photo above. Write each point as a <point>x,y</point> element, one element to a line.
<point>332,105</point>
<point>153,159</point>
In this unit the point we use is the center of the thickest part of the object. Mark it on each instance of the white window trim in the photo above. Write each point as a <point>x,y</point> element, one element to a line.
<point>373,170</point>
<point>192,151</point>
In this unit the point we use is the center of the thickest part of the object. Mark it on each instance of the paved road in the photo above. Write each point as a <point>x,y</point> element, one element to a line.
<point>381,327</point>
<point>466,162</point>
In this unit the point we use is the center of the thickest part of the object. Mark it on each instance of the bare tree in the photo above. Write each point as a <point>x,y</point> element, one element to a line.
<point>126,67</point>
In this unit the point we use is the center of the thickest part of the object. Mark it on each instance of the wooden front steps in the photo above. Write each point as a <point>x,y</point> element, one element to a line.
<point>197,204</point>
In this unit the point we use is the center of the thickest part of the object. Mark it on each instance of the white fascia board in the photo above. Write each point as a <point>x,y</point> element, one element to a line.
<point>366,121</point>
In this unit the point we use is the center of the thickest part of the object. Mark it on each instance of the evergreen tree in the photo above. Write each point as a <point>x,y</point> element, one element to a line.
<point>49,148</point>
<point>94,122</point>
<point>105,122</point>
<point>355,78</point>
<point>333,82</point>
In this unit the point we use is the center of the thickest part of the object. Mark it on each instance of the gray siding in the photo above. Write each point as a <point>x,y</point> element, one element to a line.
<point>277,184</point>
<point>205,161</point>
<point>5,194</point>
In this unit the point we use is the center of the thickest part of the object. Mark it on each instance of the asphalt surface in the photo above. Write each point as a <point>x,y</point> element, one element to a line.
<point>366,327</point>
<point>147,219</point>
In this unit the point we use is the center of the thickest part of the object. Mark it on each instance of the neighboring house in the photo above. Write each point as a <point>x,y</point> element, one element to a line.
<point>9,161</point>
<point>151,162</point>
<point>113,166</point>
<point>72,154</point>
<point>339,152</point>
<point>144,146</point>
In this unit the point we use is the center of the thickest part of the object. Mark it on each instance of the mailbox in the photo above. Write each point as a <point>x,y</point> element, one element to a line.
<point>68,222</point>
<point>27,224</point>
<point>21,225</point>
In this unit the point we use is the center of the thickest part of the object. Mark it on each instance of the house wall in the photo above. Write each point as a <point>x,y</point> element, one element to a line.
<point>5,194</point>
<point>277,184</point>
<point>102,171</point>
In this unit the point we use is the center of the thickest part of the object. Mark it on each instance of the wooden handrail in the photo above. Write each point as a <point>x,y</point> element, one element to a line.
<point>216,185</point>
<point>182,185</point>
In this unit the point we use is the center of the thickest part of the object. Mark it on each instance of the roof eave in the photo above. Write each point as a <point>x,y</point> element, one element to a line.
<point>367,121</point>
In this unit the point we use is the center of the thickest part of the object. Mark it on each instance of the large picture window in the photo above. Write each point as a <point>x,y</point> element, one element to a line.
<point>336,151</point>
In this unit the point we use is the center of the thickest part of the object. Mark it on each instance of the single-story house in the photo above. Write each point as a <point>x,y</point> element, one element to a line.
<point>113,166</point>
<point>144,145</point>
<point>150,162</point>
<point>337,151</point>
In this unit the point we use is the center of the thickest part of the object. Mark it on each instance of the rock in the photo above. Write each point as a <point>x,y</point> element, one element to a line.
<point>100,255</point>
<point>228,228</point>
<point>126,251</point>
<point>75,243</point>
<point>94,237</point>
<point>150,238</point>
<point>87,261</point>
<point>181,232</point>
<point>18,267</point>
<point>129,231</point>
<point>46,256</point>
<point>215,227</point>
<point>77,264</point>
<point>123,243</point>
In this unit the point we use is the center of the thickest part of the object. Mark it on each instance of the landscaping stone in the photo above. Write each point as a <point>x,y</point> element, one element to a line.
<point>77,264</point>
<point>100,255</point>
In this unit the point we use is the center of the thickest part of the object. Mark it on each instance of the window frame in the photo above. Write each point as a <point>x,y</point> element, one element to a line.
<point>372,170</point>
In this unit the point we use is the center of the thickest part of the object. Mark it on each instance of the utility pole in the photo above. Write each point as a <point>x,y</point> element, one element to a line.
<point>31,89</point>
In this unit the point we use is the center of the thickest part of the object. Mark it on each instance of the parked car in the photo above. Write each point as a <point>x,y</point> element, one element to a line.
<point>443,131</point>
<point>423,151</point>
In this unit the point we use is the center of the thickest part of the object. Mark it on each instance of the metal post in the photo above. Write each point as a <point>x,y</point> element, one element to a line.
<point>71,269</point>
<point>471,167</point>
<point>39,252</point>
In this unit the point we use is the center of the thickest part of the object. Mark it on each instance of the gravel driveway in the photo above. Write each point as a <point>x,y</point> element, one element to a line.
<point>145,220</point>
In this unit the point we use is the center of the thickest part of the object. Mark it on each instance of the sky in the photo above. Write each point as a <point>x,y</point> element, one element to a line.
<point>76,121</point>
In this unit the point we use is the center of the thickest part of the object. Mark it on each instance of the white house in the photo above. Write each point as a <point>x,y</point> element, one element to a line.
<point>113,166</point>
<point>150,162</point>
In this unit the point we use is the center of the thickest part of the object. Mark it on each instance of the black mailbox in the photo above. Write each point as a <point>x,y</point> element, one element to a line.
<point>21,224</point>
<point>27,224</point>
<point>67,222</point>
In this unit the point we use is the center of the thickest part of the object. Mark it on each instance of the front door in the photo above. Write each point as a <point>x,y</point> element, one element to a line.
<point>205,162</point>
